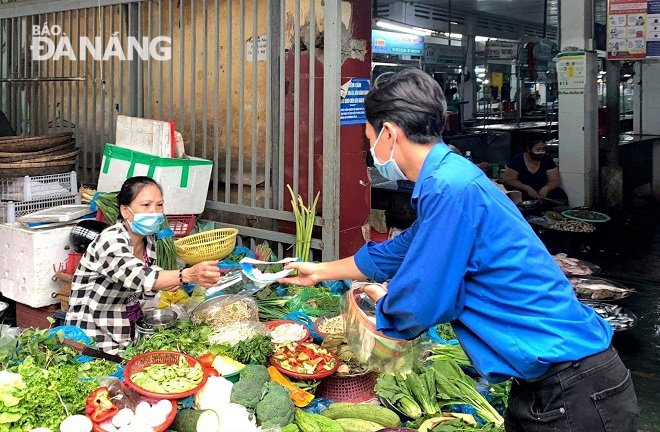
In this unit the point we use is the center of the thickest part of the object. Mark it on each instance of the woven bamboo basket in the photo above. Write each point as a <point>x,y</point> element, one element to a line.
<point>37,143</point>
<point>18,155</point>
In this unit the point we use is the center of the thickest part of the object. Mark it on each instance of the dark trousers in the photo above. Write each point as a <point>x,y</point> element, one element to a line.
<point>594,394</point>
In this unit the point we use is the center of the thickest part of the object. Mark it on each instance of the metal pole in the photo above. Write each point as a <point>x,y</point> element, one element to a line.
<point>613,79</point>
<point>331,163</point>
<point>133,65</point>
<point>545,19</point>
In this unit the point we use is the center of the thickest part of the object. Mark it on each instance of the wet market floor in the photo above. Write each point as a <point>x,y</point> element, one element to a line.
<point>628,250</point>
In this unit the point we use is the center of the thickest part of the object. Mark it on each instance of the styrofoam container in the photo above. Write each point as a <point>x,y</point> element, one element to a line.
<point>185,182</point>
<point>154,137</point>
<point>27,260</point>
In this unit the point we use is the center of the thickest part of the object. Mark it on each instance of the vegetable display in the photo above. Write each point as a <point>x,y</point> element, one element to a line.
<point>434,387</point>
<point>371,413</point>
<point>99,406</point>
<point>286,332</point>
<point>164,379</point>
<point>308,359</point>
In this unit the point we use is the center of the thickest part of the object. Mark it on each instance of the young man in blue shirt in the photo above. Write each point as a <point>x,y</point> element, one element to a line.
<point>471,259</point>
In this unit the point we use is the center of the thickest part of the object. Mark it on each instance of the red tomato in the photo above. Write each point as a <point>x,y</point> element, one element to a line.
<point>211,372</point>
<point>207,360</point>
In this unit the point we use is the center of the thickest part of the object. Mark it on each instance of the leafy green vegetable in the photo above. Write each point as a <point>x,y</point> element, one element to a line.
<point>450,352</point>
<point>500,394</point>
<point>445,331</point>
<point>97,368</point>
<point>257,350</point>
<point>453,386</point>
<point>43,349</point>
<point>394,389</point>
<point>49,396</point>
<point>184,336</point>
<point>272,308</point>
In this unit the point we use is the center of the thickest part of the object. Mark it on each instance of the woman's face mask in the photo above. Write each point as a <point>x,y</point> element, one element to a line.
<point>537,154</point>
<point>146,223</point>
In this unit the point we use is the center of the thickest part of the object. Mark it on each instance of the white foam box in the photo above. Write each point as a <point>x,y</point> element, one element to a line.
<point>185,182</point>
<point>145,135</point>
<point>26,262</point>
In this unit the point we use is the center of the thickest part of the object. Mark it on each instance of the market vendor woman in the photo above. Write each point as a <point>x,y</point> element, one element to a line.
<point>535,174</point>
<point>471,259</point>
<point>119,267</point>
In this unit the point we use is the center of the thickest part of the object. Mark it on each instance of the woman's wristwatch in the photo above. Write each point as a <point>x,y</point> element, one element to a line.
<point>181,276</point>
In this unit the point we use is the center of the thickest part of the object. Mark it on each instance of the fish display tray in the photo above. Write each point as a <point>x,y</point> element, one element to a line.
<point>581,286</point>
<point>619,318</point>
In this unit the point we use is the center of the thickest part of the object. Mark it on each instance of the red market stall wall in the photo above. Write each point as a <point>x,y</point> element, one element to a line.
<point>355,195</point>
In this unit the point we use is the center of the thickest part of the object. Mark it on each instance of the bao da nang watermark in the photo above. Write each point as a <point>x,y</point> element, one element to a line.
<point>43,46</point>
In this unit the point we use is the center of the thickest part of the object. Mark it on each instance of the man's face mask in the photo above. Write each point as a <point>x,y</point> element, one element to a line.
<point>389,169</point>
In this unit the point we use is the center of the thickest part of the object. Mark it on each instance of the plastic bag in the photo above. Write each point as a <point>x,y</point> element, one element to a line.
<point>384,354</point>
<point>8,337</point>
<point>120,394</point>
<point>318,405</point>
<point>75,334</point>
<point>226,309</point>
<point>301,302</point>
<point>168,298</point>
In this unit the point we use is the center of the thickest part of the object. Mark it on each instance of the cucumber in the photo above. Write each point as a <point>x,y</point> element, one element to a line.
<point>377,414</point>
<point>306,423</point>
<point>357,425</point>
<point>196,421</point>
<point>326,424</point>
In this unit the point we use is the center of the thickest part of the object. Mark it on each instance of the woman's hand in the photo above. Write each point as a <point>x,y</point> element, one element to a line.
<point>543,193</point>
<point>308,274</point>
<point>205,273</point>
<point>172,289</point>
<point>532,193</point>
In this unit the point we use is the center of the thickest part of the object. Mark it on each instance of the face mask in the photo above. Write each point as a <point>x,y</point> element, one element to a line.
<point>536,156</point>
<point>146,223</point>
<point>390,170</point>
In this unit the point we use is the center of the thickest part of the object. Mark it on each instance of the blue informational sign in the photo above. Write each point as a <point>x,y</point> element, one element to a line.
<point>384,42</point>
<point>352,102</point>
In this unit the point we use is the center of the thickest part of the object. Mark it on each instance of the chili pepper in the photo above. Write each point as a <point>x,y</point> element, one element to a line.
<point>99,406</point>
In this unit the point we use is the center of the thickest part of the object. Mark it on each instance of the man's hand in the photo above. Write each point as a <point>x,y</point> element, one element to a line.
<point>375,292</point>
<point>308,274</point>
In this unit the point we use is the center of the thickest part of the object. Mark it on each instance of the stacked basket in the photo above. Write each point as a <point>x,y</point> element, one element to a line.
<point>37,155</point>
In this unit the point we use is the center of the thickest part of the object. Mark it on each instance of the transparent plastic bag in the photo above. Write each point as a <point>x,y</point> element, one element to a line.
<point>382,353</point>
<point>226,309</point>
<point>8,337</point>
<point>305,302</point>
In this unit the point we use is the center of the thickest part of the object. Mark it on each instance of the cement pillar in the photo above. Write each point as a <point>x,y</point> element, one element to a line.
<point>469,88</point>
<point>578,113</point>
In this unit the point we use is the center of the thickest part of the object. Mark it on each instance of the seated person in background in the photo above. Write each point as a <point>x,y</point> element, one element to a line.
<point>535,174</point>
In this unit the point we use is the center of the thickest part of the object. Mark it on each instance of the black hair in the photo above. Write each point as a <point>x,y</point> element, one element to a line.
<point>411,99</point>
<point>131,188</point>
<point>531,143</point>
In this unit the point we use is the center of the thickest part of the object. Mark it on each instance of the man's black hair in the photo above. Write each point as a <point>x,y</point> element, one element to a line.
<point>412,100</point>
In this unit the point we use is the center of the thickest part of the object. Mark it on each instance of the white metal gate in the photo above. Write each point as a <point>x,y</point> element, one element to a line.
<point>225,87</point>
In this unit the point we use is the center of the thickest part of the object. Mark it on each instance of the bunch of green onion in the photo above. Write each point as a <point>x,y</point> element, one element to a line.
<point>304,224</point>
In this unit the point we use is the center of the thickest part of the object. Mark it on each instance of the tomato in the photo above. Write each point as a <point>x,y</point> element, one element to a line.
<point>207,360</point>
<point>209,371</point>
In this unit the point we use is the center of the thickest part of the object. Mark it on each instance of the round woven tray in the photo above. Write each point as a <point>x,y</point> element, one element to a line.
<point>42,169</point>
<point>62,155</point>
<point>15,155</point>
<point>27,144</point>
